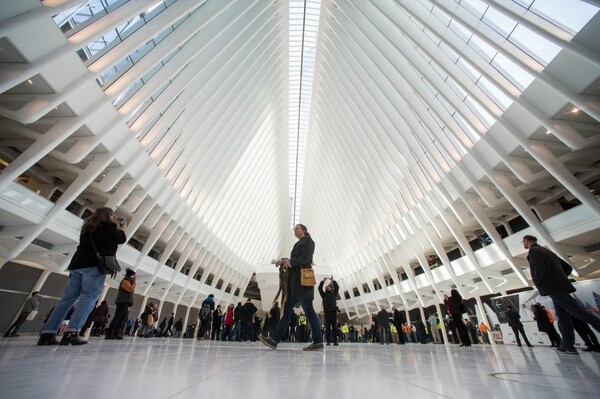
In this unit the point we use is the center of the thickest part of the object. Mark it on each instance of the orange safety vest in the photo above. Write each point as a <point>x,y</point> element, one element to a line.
<point>550,317</point>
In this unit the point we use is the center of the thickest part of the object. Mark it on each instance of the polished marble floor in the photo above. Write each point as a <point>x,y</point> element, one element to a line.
<point>172,368</point>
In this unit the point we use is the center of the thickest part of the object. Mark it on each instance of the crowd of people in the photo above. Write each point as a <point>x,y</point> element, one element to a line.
<point>296,320</point>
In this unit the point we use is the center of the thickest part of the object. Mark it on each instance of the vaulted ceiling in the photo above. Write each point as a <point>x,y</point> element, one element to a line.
<point>410,136</point>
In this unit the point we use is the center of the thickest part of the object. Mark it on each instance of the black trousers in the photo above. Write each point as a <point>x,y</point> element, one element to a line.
<point>553,335</point>
<point>330,326</point>
<point>516,331</point>
<point>586,333</point>
<point>14,327</point>
<point>120,316</point>
<point>463,333</point>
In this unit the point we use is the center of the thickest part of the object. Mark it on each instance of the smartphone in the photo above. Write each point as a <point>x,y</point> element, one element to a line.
<point>122,221</point>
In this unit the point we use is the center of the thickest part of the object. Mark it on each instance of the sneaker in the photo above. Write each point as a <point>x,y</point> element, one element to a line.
<point>317,346</point>
<point>572,351</point>
<point>47,339</point>
<point>269,342</point>
<point>336,344</point>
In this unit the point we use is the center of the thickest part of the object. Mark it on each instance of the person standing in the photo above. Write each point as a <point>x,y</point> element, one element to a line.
<point>30,305</point>
<point>398,319</point>
<point>274,314</point>
<point>455,307</point>
<point>383,320</point>
<point>206,311</point>
<point>549,274</point>
<point>433,326</point>
<point>85,280</point>
<point>124,300</point>
<point>301,257</point>
<point>228,323</point>
<point>515,323</point>
<point>99,319</point>
<point>544,324</point>
<point>329,296</point>
<point>237,323</point>
<point>169,331</point>
<point>178,327</point>
<point>248,311</point>
<point>216,323</point>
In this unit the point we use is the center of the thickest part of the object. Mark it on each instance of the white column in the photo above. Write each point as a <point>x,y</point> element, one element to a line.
<point>185,321</point>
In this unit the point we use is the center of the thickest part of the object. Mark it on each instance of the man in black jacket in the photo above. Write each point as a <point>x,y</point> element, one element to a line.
<point>330,309</point>
<point>399,321</point>
<point>549,274</point>
<point>515,323</point>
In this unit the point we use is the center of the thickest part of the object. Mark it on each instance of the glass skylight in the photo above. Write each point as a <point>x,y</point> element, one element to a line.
<point>304,27</point>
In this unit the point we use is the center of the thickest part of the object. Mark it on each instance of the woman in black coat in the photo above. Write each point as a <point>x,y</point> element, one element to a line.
<point>85,280</point>
<point>454,305</point>
<point>544,324</point>
<point>301,257</point>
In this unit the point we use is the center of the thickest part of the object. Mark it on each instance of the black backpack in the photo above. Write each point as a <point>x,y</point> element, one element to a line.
<point>205,311</point>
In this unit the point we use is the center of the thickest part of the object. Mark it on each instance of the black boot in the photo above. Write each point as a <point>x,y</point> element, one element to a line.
<point>118,333</point>
<point>47,339</point>
<point>72,338</point>
<point>108,334</point>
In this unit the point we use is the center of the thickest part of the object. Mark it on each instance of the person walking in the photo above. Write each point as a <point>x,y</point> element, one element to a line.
<point>329,296</point>
<point>301,257</point>
<point>549,274</point>
<point>85,280</point>
<point>124,301</point>
<point>30,305</point>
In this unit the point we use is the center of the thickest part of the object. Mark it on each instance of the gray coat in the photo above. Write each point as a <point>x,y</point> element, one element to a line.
<point>301,256</point>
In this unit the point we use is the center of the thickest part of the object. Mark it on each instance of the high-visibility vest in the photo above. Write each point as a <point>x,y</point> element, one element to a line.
<point>302,320</point>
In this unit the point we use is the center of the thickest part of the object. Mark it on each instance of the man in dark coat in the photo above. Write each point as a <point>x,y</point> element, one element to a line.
<point>549,274</point>
<point>301,257</point>
<point>248,311</point>
<point>274,314</point>
<point>515,323</point>
<point>329,296</point>
<point>399,320</point>
<point>384,326</point>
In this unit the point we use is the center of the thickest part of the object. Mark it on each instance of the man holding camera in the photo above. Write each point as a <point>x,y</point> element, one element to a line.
<point>330,309</point>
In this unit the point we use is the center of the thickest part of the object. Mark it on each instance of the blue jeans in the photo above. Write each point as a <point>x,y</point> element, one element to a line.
<point>85,285</point>
<point>565,306</point>
<point>235,332</point>
<point>311,316</point>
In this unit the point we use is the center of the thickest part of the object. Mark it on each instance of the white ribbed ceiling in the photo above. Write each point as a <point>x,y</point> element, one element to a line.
<point>414,129</point>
